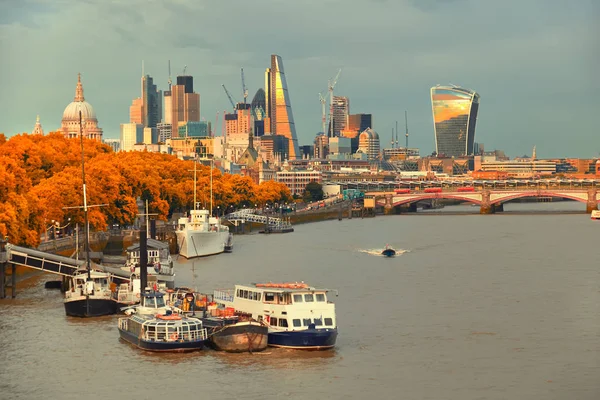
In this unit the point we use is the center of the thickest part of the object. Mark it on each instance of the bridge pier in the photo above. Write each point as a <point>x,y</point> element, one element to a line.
<point>592,204</point>
<point>388,209</point>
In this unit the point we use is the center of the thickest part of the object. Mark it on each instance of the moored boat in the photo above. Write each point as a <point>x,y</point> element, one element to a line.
<point>89,295</point>
<point>155,327</point>
<point>298,316</point>
<point>226,330</point>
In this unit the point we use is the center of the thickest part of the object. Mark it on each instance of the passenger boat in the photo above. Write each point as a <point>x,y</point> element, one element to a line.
<point>89,295</point>
<point>595,214</point>
<point>200,234</point>
<point>388,251</point>
<point>226,330</point>
<point>298,316</point>
<point>155,327</point>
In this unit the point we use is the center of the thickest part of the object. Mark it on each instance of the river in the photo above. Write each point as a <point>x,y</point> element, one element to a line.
<point>498,306</point>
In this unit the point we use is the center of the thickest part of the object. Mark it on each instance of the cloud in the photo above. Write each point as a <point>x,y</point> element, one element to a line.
<point>524,58</point>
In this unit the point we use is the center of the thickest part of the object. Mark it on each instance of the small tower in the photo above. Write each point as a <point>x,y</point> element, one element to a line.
<point>37,130</point>
<point>533,156</point>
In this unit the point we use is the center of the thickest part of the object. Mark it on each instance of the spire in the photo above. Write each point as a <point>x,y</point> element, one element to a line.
<point>37,130</point>
<point>79,89</point>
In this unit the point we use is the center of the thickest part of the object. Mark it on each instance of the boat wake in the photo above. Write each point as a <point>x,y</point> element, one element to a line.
<point>377,252</point>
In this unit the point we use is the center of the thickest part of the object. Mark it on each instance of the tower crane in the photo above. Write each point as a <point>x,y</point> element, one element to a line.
<point>244,89</point>
<point>229,97</point>
<point>323,100</point>
<point>331,85</point>
<point>184,68</point>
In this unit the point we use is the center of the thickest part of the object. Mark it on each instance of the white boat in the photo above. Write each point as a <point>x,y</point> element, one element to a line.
<point>89,295</point>
<point>299,316</point>
<point>200,234</point>
<point>595,214</point>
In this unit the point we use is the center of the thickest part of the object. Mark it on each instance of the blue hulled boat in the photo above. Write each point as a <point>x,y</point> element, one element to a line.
<point>155,327</point>
<point>298,316</point>
<point>388,251</point>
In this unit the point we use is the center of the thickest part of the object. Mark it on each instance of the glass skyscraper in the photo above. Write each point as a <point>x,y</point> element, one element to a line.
<point>454,117</point>
<point>279,107</point>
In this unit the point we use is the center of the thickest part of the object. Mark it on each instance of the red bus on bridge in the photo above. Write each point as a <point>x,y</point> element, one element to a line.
<point>433,190</point>
<point>402,191</point>
<point>466,189</point>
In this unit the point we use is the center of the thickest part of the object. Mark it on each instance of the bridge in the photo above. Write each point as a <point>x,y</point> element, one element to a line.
<point>490,199</point>
<point>250,215</point>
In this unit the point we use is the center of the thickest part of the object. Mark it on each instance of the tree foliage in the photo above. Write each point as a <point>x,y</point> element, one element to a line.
<point>41,181</point>
<point>313,192</point>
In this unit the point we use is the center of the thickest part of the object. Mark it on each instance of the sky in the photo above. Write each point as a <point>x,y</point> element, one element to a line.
<point>534,63</point>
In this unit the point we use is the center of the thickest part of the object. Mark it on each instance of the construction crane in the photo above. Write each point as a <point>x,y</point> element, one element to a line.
<point>323,100</point>
<point>244,90</point>
<point>229,97</point>
<point>331,85</point>
<point>184,68</point>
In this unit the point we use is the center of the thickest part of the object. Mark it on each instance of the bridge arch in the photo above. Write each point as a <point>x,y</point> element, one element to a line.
<point>520,195</point>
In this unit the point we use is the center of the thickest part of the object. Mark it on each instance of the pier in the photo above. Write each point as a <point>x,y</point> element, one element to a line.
<point>272,224</point>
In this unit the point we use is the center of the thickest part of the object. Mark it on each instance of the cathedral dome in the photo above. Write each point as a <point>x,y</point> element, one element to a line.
<point>72,111</point>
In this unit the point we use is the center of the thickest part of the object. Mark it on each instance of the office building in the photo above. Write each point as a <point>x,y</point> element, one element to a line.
<point>278,105</point>
<point>341,110</point>
<point>368,143</point>
<point>185,104</point>
<point>131,134</point>
<point>454,118</point>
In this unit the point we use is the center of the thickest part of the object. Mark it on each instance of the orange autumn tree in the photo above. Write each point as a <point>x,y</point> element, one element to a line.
<point>41,175</point>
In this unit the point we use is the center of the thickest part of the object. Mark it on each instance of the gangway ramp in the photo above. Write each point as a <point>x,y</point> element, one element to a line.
<point>46,262</point>
<point>53,263</point>
<point>272,222</point>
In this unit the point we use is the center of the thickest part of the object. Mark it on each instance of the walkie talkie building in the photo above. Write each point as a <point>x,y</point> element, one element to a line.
<point>454,118</point>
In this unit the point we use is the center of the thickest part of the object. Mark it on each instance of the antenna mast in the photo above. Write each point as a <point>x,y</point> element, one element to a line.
<point>406,122</point>
<point>170,81</point>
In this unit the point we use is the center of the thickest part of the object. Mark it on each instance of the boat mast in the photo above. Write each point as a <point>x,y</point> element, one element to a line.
<point>85,209</point>
<point>195,163</point>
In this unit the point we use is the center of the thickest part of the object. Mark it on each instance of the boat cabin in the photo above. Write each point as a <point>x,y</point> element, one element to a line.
<point>100,282</point>
<point>200,220</point>
<point>159,256</point>
<point>283,306</point>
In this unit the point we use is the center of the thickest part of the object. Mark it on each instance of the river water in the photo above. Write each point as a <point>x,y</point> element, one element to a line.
<point>498,306</point>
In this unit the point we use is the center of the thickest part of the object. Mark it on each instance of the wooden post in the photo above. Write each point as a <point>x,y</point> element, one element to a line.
<point>2,280</point>
<point>14,280</point>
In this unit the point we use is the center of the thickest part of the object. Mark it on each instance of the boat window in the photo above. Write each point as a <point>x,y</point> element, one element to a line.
<point>160,302</point>
<point>273,321</point>
<point>306,322</point>
<point>328,322</point>
<point>239,293</point>
<point>320,296</point>
<point>258,295</point>
<point>297,298</point>
<point>149,302</point>
<point>308,298</point>
<point>283,323</point>
<point>269,297</point>
<point>280,299</point>
<point>297,323</point>
<point>318,321</point>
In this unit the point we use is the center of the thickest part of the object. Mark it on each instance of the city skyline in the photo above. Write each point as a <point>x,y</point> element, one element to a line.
<point>525,66</point>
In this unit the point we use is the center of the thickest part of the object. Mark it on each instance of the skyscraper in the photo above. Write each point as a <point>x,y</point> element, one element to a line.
<point>151,102</point>
<point>454,117</point>
<point>147,110</point>
<point>341,110</point>
<point>184,103</point>
<point>278,105</point>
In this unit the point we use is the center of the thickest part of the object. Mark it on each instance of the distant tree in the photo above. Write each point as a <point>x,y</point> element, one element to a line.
<point>313,192</point>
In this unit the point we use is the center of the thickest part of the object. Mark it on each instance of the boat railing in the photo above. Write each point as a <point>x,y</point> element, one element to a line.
<point>191,335</point>
<point>224,295</point>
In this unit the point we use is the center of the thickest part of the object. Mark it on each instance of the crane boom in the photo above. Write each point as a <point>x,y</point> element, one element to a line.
<point>229,97</point>
<point>244,90</point>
